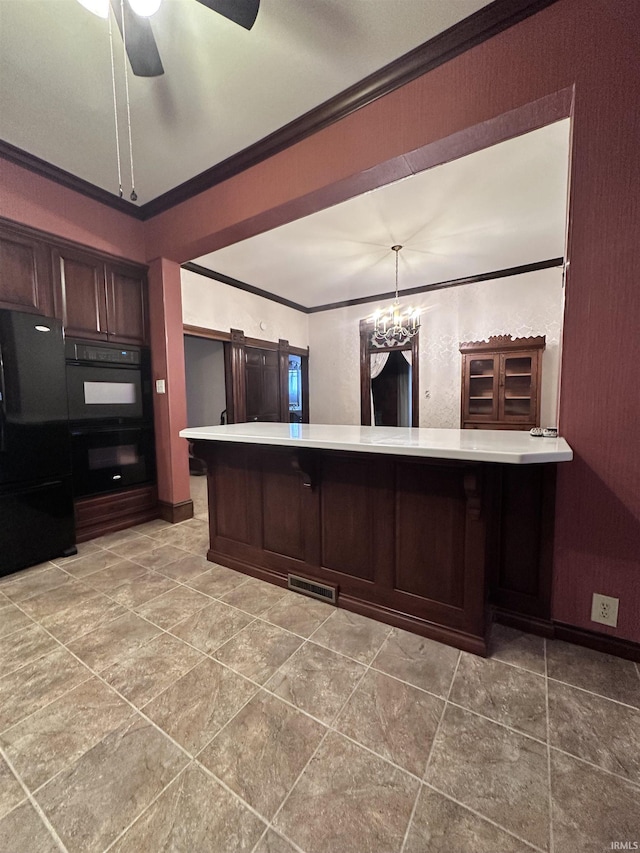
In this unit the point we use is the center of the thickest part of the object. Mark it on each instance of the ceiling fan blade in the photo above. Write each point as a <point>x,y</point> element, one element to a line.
<point>141,45</point>
<point>243,12</point>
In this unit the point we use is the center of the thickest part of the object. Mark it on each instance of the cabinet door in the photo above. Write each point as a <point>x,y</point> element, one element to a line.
<point>127,305</point>
<point>481,388</point>
<point>25,273</point>
<point>518,387</point>
<point>80,293</point>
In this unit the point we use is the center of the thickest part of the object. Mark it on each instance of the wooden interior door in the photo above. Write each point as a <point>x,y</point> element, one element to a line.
<point>262,384</point>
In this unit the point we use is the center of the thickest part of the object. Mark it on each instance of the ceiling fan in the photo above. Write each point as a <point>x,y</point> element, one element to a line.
<point>136,30</point>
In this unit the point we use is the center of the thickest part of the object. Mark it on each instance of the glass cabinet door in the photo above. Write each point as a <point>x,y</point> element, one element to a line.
<point>518,402</point>
<point>481,396</point>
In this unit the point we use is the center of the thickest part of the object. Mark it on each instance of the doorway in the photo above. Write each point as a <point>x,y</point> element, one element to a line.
<point>391,391</point>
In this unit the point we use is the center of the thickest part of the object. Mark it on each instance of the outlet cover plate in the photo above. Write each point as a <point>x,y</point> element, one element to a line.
<point>604,610</point>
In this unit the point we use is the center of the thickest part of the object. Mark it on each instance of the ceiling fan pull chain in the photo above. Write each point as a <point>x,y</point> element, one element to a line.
<point>134,195</point>
<point>115,107</point>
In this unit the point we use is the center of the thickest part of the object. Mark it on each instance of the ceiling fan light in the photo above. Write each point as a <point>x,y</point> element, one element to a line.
<point>98,7</point>
<point>145,8</point>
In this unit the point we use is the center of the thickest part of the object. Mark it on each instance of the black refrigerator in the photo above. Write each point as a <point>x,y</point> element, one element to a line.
<point>36,499</point>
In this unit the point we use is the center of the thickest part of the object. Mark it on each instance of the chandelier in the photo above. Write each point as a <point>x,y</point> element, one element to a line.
<point>392,326</point>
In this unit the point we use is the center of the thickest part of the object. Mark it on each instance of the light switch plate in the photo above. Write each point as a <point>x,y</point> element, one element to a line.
<point>160,386</point>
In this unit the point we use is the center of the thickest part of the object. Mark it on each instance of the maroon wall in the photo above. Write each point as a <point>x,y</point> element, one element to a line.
<point>591,45</point>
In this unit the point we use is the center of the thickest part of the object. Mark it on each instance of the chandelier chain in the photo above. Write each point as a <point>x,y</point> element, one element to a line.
<point>115,107</point>
<point>134,195</point>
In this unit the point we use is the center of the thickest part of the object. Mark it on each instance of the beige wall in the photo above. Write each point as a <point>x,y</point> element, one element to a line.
<point>523,305</point>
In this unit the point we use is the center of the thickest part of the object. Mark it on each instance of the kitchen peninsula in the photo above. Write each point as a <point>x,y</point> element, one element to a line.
<point>419,528</point>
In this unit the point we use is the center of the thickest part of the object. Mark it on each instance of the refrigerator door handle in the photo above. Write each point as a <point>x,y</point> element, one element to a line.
<point>3,405</point>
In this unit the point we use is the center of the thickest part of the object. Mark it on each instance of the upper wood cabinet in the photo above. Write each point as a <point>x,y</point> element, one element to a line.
<point>25,272</point>
<point>99,299</point>
<point>501,381</point>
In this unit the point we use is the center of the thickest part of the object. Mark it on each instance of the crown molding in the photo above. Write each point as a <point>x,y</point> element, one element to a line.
<point>375,297</point>
<point>471,31</point>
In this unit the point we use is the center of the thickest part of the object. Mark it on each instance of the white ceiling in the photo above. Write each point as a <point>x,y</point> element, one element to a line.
<point>498,208</point>
<point>223,89</point>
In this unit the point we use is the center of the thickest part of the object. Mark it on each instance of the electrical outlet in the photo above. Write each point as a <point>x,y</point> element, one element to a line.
<point>604,609</point>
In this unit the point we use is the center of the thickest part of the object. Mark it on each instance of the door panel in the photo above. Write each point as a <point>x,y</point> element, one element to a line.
<point>25,277</point>
<point>127,311</point>
<point>80,292</point>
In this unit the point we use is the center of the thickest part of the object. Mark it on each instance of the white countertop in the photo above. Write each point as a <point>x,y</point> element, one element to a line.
<point>474,445</point>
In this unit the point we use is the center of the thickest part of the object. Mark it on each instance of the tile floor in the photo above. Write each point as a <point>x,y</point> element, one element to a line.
<point>150,700</point>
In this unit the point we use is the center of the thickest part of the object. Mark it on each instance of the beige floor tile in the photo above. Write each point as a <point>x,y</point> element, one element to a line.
<point>12,577</point>
<point>352,635</point>
<point>296,613</point>
<point>132,548</point>
<point>258,650</point>
<point>394,719</point>
<point>34,582</point>
<point>195,815</point>
<point>23,831</point>
<point>512,696</point>
<point>11,619</point>
<point>177,536</point>
<point>195,707</point>
<point>58,734</point>
<point>442,826</point>
<point>218,580</point>
<point>89,611</point>
<point>116,537</point>
<point>37,684</point>
<point>498,773</point>
<point>93,562</point>
<point>83,548</point>
<point>150,528</point>
<point>23,646</point>
<point>159,557</point>
<point>596,729</point>
<point>212,626</point>
<point>106,580</point>
<point>254,596</point>
<point>150,669</point>
<point>348,799</point>
<point>262,751</point>
<point>607,675</point>
<point>91,802</point>
<point>317,680</point>
<point>11,791</point>
<point>114,641</point>
<point>591,809</point>
<point>419,661</point>
<point>136,591</point>
<point>516,647</point>
<point>54,601</point>
<point>172,607</point>
<point>188,567</point>
<point>274,843</point>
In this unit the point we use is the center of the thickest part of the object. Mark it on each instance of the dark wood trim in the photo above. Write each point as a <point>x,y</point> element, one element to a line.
<point>53,241</point>
<point>242,285</point>
<point>441,285</point>
<point>375,297</point>
<point>101,514</point>
<point>503,342</point>
<point>600,642</point>
<point>237,412</point>
<point>471,31</point>
<point>202,332</point>
<point>283,376</point>
<point>176,513</point>
<point>65,179</point>
<point>568,633</point>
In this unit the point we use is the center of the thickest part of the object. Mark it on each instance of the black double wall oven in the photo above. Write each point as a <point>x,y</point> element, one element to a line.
<point>111,416</point>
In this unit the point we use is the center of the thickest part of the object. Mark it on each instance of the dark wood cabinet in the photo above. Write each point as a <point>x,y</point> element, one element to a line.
<point>25,272</point>
<point>501,381</point>
<point>99,299</point>
<point>127,319</point>
<point>80,293</point>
